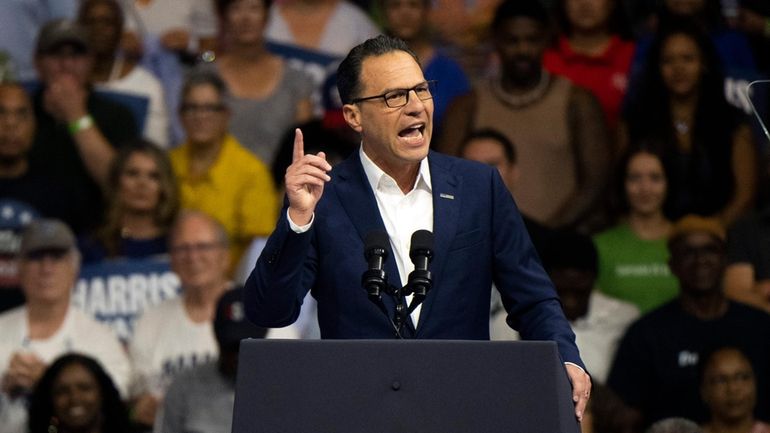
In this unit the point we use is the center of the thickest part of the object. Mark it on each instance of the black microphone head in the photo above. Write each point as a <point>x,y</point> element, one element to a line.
<point>376,242</point>
<point>422,243</point>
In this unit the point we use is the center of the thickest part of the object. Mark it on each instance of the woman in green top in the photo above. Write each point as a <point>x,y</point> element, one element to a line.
<point>633,258</point>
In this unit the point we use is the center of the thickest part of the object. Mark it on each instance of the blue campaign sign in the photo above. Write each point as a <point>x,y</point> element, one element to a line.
<point>14,216</point>
<point>116,292</point>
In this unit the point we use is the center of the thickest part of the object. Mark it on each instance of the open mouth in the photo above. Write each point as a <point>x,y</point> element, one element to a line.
<point>413,133</point>
<point>77,411</point>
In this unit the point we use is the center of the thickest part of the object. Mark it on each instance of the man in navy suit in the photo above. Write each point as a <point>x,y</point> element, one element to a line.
<point>395,184</point>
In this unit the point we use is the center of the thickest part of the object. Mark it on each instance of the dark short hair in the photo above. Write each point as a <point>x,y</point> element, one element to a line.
<point>492,134</point>
<point>510,9</point>
<point>203,77</point>
<point>382,3</point>
<point>9,83</point>
<point>349,71</point>
<point>223,5</point>
<point>86,6</point>
<point>617,21</point>
<point>570,250</point>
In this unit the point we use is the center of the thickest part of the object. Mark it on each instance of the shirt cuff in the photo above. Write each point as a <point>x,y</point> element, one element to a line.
<point>299,229</point>
<point>566,363</point>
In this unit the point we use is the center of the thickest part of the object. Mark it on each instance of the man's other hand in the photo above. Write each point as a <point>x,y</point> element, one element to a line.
<point>581,388</point>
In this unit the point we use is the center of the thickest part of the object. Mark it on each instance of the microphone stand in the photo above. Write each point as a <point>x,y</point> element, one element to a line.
<point>401,313</point>
<point>375,282</point>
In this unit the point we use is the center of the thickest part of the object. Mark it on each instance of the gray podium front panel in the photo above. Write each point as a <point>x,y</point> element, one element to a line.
<point>390,386</point>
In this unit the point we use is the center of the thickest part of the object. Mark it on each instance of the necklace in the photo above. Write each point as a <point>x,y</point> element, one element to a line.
<point>682,127</point>
<point>518,101</point>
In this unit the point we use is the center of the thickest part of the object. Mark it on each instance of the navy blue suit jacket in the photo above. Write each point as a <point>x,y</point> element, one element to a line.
<point>479,239</point>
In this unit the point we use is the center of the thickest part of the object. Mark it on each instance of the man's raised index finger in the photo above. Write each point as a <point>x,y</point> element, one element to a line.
<point>299,146</point>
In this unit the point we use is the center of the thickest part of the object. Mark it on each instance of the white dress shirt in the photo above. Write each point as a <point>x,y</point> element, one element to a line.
<point>403,214</point>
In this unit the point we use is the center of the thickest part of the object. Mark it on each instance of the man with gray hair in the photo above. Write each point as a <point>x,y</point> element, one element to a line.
<point>47,325</point>
<point>177,334</point>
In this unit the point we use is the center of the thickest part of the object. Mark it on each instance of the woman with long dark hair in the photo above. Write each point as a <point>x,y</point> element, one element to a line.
<point>632,254</point>
<point>706,145</point>
<point>143,203</point>
<point>75,394</point>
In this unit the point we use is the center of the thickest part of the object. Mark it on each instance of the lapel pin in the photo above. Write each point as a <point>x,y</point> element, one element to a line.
<point>449,196</point>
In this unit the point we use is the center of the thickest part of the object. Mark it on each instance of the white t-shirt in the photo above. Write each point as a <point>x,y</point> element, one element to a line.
<point>198,17</point>
<point>166,342</point>
<point>79,333</point>
<point>597,334</point>
<point>141,82</point>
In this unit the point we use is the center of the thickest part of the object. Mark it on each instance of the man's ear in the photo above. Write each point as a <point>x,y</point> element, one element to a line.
<point>515,175</point>
<point>38,66</point>
<point>352,115</point>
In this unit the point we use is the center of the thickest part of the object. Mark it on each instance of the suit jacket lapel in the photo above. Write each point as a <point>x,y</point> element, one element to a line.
<point>357,197</point>
<point>359,203</point>
<point>446,205</point>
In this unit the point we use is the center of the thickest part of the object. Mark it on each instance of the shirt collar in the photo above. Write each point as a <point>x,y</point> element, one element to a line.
<point>219,171</point>
<point>375,175</point>
<point>605,56</point>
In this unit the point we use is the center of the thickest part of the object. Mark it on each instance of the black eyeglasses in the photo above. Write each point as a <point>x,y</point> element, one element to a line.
<point>400,97</point>
<point>200,247</point>
<point>190,108</point>
<point>53,253</point>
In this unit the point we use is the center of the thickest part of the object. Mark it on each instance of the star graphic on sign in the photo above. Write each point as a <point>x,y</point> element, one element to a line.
<point>15,215</point>
<point>7,212</point>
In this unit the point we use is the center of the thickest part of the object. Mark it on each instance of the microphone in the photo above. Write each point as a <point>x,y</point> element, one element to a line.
<point>374,280</point>
<point>420,279</point>
<point>747,94</point>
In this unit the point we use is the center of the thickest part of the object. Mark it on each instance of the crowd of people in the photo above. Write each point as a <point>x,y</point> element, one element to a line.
<point>143,146</point>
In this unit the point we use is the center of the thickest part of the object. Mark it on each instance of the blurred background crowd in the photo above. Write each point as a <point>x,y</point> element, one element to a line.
<point>143,145</point>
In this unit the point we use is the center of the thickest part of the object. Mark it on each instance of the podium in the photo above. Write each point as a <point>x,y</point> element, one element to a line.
<point>393,386</point>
